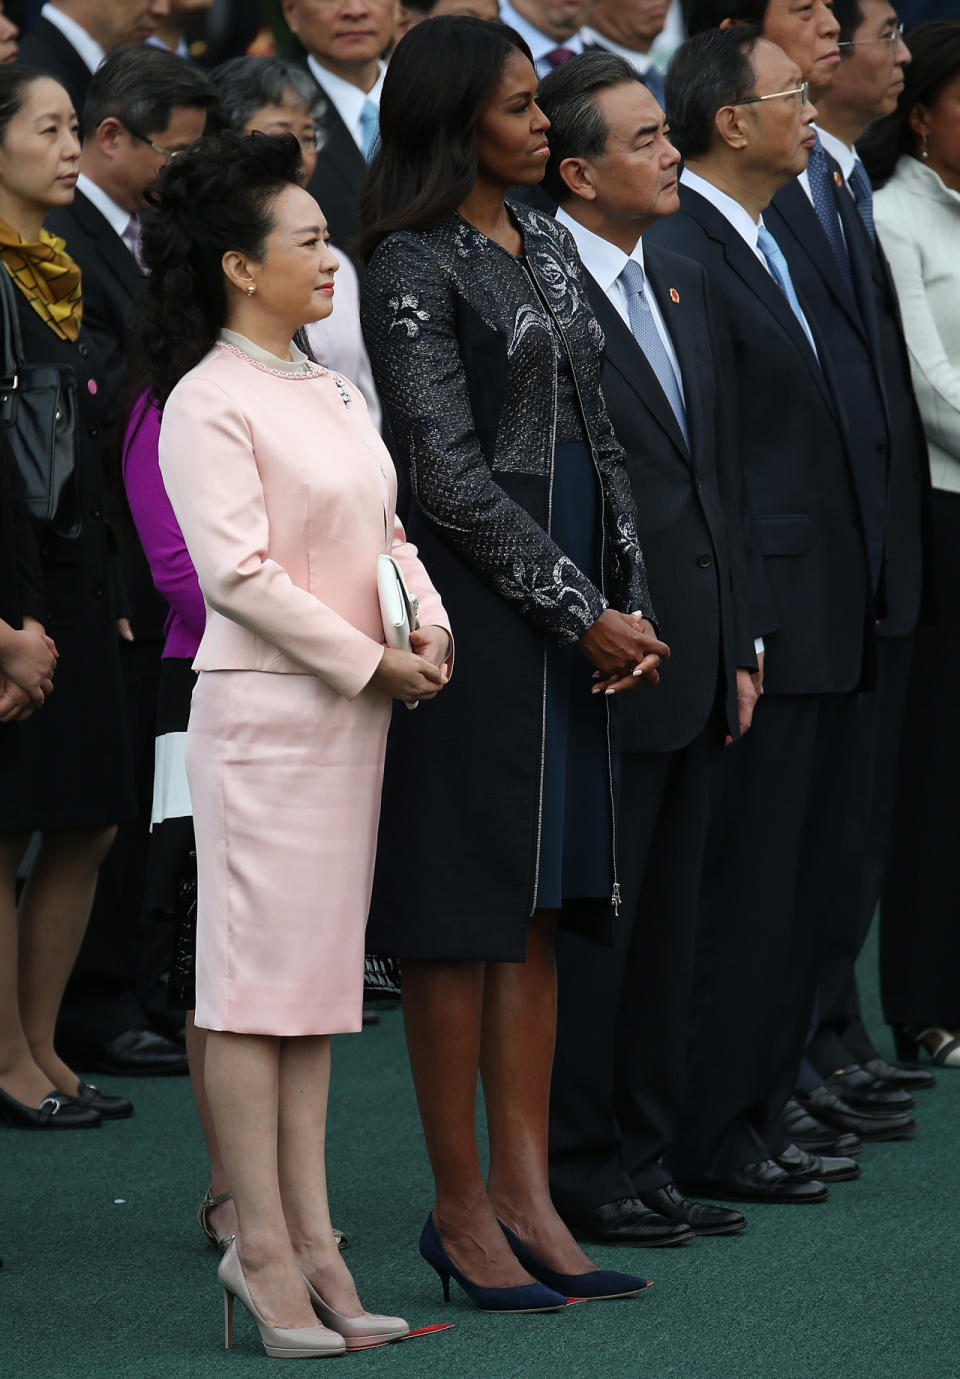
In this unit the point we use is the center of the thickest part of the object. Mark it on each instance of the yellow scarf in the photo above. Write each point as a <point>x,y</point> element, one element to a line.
<point>47,277</point>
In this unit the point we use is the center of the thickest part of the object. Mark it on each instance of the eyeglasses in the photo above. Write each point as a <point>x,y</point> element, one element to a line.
<point>167,154</point>
<point>894,37</point>
<point>799,93</point>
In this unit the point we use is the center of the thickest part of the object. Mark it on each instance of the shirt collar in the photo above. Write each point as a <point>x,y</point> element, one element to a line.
<point>642,62</point>
<point>348,99</point>
<point>845,156</point>
<point>116,217</point>
<point>182,49</point>
<point>539,43</point>
<point>602,260</point>
<point>86,46</point>
<point>731,210</point>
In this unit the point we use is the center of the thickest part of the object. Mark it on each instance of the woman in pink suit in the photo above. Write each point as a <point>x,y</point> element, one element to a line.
<point>285,495</point>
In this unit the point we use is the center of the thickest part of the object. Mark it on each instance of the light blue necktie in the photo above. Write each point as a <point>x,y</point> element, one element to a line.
<point>770,250</point>
<point>648,337</point>
<point>862,189</point>
<point>823,193</point>
<point>369,124</point>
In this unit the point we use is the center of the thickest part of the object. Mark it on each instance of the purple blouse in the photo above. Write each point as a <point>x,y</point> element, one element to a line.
<point>160,534</point>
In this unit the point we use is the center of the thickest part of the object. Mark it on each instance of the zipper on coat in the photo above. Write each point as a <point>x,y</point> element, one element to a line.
<point>546,648</point>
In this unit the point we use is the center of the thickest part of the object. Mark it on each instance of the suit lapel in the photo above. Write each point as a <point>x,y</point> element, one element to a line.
<point>754,276</point>
<point>116,257</point>
<point>681,329</point>
<point>625,355</point>
<point>795,214</point>
<point>340,148</point>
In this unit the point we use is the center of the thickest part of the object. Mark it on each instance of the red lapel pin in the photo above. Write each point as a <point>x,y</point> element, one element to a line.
<point>838,179</point>
<point>674,295</point>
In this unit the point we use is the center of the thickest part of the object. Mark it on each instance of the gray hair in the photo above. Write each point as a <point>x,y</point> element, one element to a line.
<point>247,84</point>
<point>577,126</point>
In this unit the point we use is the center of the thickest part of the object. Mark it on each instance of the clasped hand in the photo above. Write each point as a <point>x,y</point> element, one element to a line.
<point>418,673</point>
<point>624,649</point>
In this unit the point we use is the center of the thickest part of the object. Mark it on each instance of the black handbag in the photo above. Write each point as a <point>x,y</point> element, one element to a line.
<point>38,407</point>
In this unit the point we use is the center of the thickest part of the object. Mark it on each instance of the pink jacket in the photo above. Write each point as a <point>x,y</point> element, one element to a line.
<point>285,494</point>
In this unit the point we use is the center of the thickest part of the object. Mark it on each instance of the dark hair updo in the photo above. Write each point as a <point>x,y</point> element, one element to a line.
<point>215,197</point>
<point>438,82</point>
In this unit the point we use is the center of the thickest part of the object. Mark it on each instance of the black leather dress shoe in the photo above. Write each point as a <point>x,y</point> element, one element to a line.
<point>863,1092</point>
<point>701,1217</point>
<point>626,1222</point>
<point>762,1182</point>
<point>826,1105</point>
<point>108,1107</point>
<point>800,1164</point>
<point>910,1078</point>
<point>813,1135</point>
<point>134,1053</point>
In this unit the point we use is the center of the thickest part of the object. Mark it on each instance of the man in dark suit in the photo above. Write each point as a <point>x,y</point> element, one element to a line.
<point>629,28</point>
<point>71,37</point>
<point>143,107</point>
<point>845,286</point>
<point>825,224</point>
<point>624,1011</point>
<point>740,116</point>
<point>343,44</point>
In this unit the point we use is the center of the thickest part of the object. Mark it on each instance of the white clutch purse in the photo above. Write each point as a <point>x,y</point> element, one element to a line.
<point>399,609</point>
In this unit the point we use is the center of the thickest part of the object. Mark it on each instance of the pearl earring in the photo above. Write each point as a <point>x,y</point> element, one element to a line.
<point>251,289</point>
<point>923,147</point>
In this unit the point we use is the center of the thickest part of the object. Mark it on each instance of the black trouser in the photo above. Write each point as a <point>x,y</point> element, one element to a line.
<point>624,1011</point>
<point>783,791</point>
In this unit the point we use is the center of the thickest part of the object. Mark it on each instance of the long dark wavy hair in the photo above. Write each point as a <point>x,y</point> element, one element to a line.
<point>438,82</point>
<point>215,197</point>
<point>935,52</point>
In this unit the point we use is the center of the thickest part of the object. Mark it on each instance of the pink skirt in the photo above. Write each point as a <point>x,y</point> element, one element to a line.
<point>285,777</point>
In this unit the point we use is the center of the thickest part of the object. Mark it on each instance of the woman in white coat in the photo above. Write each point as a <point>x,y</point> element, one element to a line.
<point>913,157</point>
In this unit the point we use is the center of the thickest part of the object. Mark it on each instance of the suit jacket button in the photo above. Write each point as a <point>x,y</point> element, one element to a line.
<point>96,512</point>
<point>82,351</point>
<point>98,591</point>
<point>91,431</point>
<point>699,485</point>
<point>704,561</point>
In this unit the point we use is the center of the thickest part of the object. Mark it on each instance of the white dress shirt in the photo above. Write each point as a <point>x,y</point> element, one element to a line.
<point>641,62</point>
<point>87,47</point>
<point>539,43</point>
<point>348,100</point>
<point>116,217</point>
<point>605,262</point>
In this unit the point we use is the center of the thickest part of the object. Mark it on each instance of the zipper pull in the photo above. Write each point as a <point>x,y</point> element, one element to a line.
<point>615,899</point>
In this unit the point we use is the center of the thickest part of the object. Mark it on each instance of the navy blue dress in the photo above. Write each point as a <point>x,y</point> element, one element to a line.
<point>576,861</point>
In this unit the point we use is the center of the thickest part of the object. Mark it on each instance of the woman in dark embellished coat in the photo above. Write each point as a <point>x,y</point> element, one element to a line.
<point>487,358</point>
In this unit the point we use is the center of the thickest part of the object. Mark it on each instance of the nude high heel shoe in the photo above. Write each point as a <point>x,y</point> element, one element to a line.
<point>358,1332</point>
<point>280,1343</point>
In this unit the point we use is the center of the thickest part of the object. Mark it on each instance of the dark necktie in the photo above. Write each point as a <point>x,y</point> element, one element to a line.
<point>863,196</point>
<point>823,194</point>
<point>558,56</point>
<point>645,332</point>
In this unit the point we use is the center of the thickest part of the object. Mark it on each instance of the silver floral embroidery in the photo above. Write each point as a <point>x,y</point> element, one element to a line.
<point>527,318</point>
<point>528,579</point>
<point>629,541</point>
<point>406,303</point>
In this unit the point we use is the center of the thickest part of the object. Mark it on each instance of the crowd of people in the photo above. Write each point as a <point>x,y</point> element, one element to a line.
<point>647,376</point>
